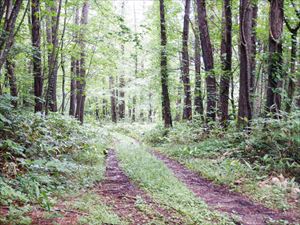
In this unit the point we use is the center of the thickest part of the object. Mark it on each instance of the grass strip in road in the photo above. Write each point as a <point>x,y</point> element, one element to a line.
<point>97,211</point>
<point>153,176</point>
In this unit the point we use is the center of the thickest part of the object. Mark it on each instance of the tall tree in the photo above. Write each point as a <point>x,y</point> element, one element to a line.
<point>62,60</point>
<point>275,56</point>
<point>198,90</point>
<point>10,68</point>
<point>166,108</point>
<point>82,80</point>
<point>122,75</point>
<point>75,67</point>
<point>226,59</point>
<point>37,59</point>
<point>253,52</point>
<point>208,59</point>
<point>10,11</point>
<point>113,109</point>
<point>291,83</point>
<point>244,112</point>
<point>187,108</point>
<point>51,98</point>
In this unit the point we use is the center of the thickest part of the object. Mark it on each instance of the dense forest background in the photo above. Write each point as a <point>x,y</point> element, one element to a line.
<point>213,84</point>
<point>101,59</point>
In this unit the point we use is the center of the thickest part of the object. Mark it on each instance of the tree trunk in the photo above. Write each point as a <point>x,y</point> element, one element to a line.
<point>62,62</point>
<point>8,28</point>
<point>275,56</point>
<point>187,108</point>
<point>74,71</point>
<point>51,101</point>
<point>84,20</point>
<point>253,53</point>
<point>291,83</point>
<point>244,112</point>
<point>166,108</point>
<point>133,116</point>
<point>112,100</point>
<point>198,90</point>
<point>10,67</point>
<point>36,55</point>
<point>122,97</point>
<point>150,112</point>
<point>226,60</point>
<point>208,60</point>
<point>122,78</point>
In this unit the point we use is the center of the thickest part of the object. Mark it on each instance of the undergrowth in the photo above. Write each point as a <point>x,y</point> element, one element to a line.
<point>263,163</point>
<point>43,158</point>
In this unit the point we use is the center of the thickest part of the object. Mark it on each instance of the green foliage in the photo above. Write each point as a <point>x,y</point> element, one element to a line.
<point>41,158</point>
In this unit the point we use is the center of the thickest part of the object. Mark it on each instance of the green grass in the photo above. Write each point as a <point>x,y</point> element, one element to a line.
<point>98,213</point>
<point>154,177</point>
<point>221,169</point>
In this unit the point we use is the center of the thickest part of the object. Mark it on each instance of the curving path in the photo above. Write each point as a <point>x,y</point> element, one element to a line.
<point>120,193</point>
<point>222,199</point>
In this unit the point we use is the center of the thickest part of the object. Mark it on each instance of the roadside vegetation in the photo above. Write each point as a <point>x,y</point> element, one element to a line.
<point>263,163</point>
<point>42,160</point>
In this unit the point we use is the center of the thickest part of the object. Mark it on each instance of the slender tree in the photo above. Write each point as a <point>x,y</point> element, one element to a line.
<point>37,59</point>
<point>10,11</point>
<point>275,56</point>
<point>166,108</point>
<point>51,98</point>
<point>198,90</point>
<point>226,59</point>
<point>208,59</point>
<point>122,75</point>
<point>187,108</point>
<point>10,68</point>
<point>82,80</point>
<point>63,59</point>
<point>244,112</point>
<point>291,83</point>
<point>253,52</point>
<point>75,67</point>
<point>113,110</point>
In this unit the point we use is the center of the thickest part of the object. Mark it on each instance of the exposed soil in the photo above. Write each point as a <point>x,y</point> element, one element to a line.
<point>62,217</point>
<point>122,195</point>
<point>224,200</point>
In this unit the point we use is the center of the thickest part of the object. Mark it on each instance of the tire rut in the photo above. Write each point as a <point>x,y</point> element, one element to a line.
<point>224,200</point>
<point>122,195</point>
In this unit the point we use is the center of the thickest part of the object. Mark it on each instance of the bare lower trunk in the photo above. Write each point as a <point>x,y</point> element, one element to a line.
<point>253,53</point>
<point>51,101</point>
<point>8,26</point>
<point>208,60</point>
<point>198,89</point>
<point>166,108</point>
<point>82,44</point>
<point>37,61</point>
<point>226,59</point>
<point>187,107</point>
<point>74,71</point>
<point>244,113</point>
<point>112,100</point>
<point>10,67</point>
<point>275,56</point>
